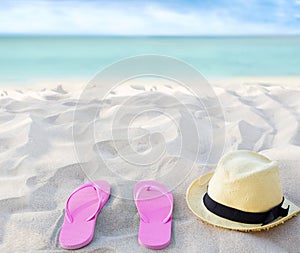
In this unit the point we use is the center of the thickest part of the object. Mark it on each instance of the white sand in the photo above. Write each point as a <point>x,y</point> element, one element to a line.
<point>39,167</point>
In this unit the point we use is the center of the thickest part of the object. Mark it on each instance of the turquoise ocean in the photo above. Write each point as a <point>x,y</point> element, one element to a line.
<point>25,60</point>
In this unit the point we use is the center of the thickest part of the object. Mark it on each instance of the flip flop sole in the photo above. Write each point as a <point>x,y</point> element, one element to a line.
<point>153,201</point>
<point>80,231</point>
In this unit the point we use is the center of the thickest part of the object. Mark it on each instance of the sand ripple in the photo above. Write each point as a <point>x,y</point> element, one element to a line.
<point>39,166</point>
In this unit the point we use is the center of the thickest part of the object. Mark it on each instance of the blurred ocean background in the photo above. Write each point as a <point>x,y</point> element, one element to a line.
<point>26,60</point>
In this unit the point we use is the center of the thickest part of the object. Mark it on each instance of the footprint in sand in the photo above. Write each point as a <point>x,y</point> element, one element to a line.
<point>4,93</point>
<point>105,149</point>
<point>59,89</point>
<point>137,87</point>
<point>70,103</point>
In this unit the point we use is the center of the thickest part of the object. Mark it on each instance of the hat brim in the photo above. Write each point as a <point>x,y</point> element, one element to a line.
<point>194,198</point>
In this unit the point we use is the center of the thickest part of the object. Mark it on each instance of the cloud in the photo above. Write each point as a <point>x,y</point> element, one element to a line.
<point>146,18</point>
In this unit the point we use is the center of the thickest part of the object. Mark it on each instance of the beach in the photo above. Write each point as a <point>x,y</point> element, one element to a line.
<point>105,103</point>
<point>40,166</point>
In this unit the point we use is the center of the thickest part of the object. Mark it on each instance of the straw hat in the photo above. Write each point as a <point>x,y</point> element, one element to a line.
<point>244,194</point>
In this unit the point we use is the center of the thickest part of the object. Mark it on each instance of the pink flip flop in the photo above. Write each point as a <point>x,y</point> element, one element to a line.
<point>155,206</point>
<point>82,209</point>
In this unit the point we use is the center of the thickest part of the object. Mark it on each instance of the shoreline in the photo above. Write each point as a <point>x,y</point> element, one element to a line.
<point>289,81</point>
<point>78,84</point>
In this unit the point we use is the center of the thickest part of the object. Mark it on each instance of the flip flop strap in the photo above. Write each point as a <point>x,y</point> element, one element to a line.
<point>68,214</point>
<point>148,187</point>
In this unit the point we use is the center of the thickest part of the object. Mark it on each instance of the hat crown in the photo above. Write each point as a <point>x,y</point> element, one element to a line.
<point>246,181</point>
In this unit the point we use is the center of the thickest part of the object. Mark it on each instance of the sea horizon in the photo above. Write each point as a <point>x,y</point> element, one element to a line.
<point>29,59</point>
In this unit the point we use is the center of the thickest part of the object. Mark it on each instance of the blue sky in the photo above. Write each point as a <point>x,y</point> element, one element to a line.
<point>153,17</point>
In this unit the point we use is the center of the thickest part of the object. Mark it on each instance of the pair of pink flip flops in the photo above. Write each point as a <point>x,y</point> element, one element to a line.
<point>153,201</point>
